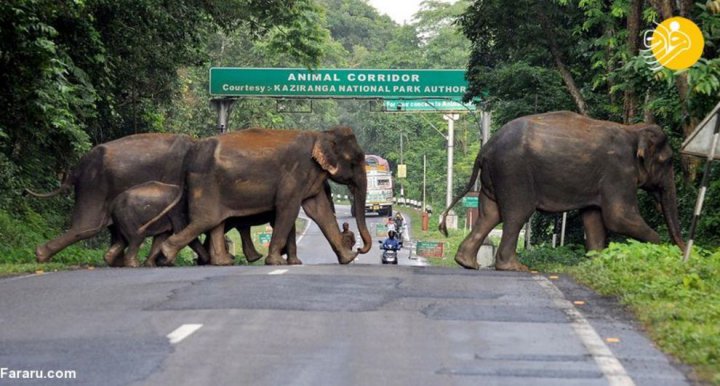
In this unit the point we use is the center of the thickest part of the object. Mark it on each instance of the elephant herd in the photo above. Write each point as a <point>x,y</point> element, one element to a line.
<point>175,188</point>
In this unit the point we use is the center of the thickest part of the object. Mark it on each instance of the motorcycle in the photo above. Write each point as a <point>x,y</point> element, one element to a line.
<point>389,256</point>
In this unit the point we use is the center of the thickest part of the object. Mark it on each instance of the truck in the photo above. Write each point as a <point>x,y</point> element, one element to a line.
<point>379,185</point>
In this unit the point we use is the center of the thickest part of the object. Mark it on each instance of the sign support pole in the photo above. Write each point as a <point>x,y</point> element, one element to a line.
<point>703,189</point>
<point>223,106</point>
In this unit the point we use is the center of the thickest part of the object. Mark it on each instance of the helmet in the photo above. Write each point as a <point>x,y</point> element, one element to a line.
<point>391,233</point>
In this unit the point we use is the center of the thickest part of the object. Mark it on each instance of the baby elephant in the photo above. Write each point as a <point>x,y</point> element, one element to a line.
<point>154,203</point>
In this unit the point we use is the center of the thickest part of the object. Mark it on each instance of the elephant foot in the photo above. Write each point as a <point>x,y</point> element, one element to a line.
<point>112,255</point>
<point>149,263</point>
<point>42,254</point>
<point>467,263</point>
<point>222,260</point>
<point>512,265</point>
<point>275,260</point>
<point>166,258</point>
<point>132,263</point>
<point>253,257</point>
<point>347,258</point>
<point>294,260</point>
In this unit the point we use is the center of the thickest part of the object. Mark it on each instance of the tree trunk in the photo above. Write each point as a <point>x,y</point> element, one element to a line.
<point>560,64</point>
<point>633,45</point>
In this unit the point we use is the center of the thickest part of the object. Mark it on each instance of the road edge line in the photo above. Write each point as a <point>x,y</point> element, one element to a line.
<point>604,358</point>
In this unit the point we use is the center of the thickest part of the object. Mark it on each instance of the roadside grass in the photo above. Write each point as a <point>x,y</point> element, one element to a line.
<point>455,237</point>
<point>678,303</point>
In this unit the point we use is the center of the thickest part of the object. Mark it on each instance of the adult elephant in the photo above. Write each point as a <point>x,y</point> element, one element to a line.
<point>255,171</point>
<point>110,169</point>
<point>561,161</point>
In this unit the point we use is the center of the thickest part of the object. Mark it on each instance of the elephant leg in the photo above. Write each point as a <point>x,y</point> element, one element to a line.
<point>248,247</point>
<point>176,242</point>
<point>319,209</point>
<point>177,221</point>
<point>114,257</point>
<point>489,217</point>
<point>514,216</point>
<point>202,252</point>
<point>283,224</point>
<point>218,250</point>
<point>595,235</point>
<point>44,252</point>
<point>291,248</point>
<point>151,260</point>
<point>627,221</point>
<point>132,252</point>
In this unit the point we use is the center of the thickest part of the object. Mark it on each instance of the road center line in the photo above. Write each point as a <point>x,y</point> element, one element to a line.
<point>604,358</point>
<point>182,332</point>
<point>278,272</point>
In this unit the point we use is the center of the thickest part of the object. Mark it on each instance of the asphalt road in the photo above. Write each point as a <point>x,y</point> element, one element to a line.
<point>313,248</point>
<point>359,324</point>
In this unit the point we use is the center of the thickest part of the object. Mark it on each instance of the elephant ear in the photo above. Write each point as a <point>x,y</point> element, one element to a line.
<point>324,154</point>
<point>650,139</point>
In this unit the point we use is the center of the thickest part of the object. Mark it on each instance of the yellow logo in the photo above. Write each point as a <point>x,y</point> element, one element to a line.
<point>677,43</point>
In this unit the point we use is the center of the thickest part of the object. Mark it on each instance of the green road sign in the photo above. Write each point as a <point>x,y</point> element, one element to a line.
<point>430,249</point>
<point>381,230</point>
<point>264,239</point>
<point>470,202</point>
<point>412,105</point>
<point>337,83</point>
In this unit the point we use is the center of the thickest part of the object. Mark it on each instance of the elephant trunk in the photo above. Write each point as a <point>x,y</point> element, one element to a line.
<point>668,201</point>
<point>359,196</point>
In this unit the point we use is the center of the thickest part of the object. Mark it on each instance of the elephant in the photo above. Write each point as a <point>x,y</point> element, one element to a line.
<point>108,170</point>
<point>150,202</point>
<point>560,161</point>
<point>156,209</point>
<point>242,224</point>
<point>258,170</point>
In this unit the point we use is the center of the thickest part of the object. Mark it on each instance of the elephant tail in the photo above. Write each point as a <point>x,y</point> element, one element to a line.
<point>68,182</point>
<point>173,204</point>
<point>442,227</point>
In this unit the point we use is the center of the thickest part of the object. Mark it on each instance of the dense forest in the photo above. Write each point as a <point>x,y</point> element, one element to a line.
<point>80,73</point>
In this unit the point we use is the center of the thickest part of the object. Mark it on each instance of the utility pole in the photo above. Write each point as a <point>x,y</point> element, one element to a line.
<point>402,191</point>
<point>452,217</point>
<point>424,202</point>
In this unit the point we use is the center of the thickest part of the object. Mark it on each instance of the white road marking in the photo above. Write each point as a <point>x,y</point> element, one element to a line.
<point>307,226</point>
<point>182,332</point>
<point>24,276</point>
<point>604,358</point>
<point>278,272</point>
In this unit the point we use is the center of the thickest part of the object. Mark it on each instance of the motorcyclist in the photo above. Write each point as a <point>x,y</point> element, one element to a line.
<point>399,222</point>
<point>391,242</point>
<point>390,224</point>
